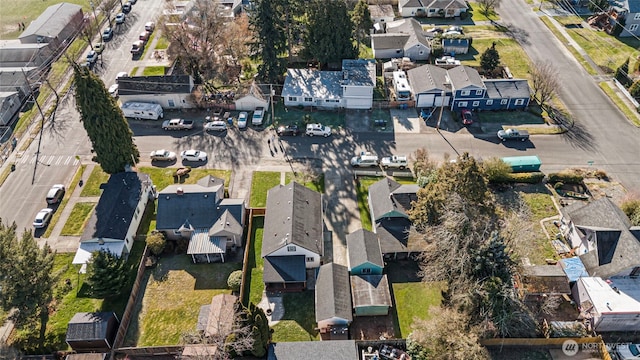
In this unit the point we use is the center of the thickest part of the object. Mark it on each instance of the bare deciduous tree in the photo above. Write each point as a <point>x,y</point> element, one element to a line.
<point>235,47</point>
<point>545,80</point>
<point>488,6</point>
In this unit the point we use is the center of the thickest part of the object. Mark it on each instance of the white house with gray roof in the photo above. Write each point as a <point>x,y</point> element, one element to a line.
<point>403,38</point>
<point>56,24</point>
<point>351,88</point>
<point>432,8</point>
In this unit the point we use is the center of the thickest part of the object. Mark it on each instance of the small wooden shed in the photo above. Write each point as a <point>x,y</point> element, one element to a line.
<point>92,332</point>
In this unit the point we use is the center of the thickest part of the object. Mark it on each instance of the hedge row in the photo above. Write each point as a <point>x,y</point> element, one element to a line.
<point>529,178</point>
<point>567,177</point>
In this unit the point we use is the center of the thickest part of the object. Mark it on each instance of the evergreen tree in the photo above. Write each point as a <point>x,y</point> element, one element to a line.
<point>269,39</point>
<point>362,23</point>
<point>622,73</point>
<point>490,58</point>
<point>110,135</point>
<point>255,318</point>
<point>26,277</point>
<point>106,274</point>
<point>329,32</point>
<point>634,90</point>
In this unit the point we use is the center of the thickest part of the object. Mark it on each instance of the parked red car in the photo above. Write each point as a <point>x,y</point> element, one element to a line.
<point>468,116</point>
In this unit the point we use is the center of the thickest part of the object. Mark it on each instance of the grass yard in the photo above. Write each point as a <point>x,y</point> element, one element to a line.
<point>65,200</point>
<point>294,115</point>
<point>71,296</point>
<point>313,182</point>
<point>162,43</point>
<point>510,117</point>
<point>153,71</point>
<point>298,322</point>
<point>541,207</point>
<point>571,49</point>
<point>174,291</point>
<point>26,12</point>
<point>77,219</point>
<point>261,182</point>
<point>254,293</point>
<point>163,177</point>
<point>629,113</point>
<point>362,194</point>
<point>92,185</point>
<point>476,15</point>
<point>511,55</point>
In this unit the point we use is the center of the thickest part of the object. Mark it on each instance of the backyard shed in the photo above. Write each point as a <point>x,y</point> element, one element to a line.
<point>333,302</point>
<point>539,280</point>
<point>92,332</point>
<point>370,295</point>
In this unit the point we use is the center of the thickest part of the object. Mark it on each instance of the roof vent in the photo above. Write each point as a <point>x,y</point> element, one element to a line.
<point>206,196</point>
<point>228,223</point>
<point>168,197</point>
<point>179,191</point>
<point>100,241</point>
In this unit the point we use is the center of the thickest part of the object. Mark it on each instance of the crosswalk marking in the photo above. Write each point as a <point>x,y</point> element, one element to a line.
<point>51,160</point>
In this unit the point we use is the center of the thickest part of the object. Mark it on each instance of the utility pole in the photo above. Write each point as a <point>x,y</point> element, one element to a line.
<point>35,165</point>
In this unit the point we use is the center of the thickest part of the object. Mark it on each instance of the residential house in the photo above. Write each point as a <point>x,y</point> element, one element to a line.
<point>12,79</point>
<point>389,202</point>
<point>313,350</point>
<point>603,237</point>
<point>254,98</point>
<point>455,46</point>
<point>403,38</point>
<point>15,55</point>
<point>609,306</point>
<point>381,14</point>
<point>351,88</point>
<point>115,219</point>
<point>462,87</point>
<point>9,106</point>
<point>170,91</point>
<point>543,280</point>
<point>628,13</point>
<point>199,212</point>
<point>92,332</point>
<point>218,318</point>
<point>432,8</point>
<point>333,302</point>
<point>365,257</point>
<point>293,237</point>
<point>56,25</point>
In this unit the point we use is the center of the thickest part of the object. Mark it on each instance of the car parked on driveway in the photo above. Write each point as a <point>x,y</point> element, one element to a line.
<point>120,18</point>
<point>107,34</point>
<point>55,194</point>
<point>242,120</point>
<point>468,117</point>
<point>43,217</point>
<point>289,130</point>
<point>162,155</point>
<point>193,155</point>
<point>318,129</point>
<point>216,125</point>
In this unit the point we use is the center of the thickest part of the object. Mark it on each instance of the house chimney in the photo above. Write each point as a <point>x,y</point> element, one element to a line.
<point>179,191</point>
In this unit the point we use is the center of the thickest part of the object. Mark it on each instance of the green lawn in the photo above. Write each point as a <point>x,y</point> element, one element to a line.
<point>65,200</point>
<point>174,291</point>
<point>77,219</point>
<point>92,185</point>
<point>294,115</point>
<point>511,55</point>
<point>255,263</point>
<point>26,12</point>
<point>571,49</point>
<point>163,177</point>
<point>541,207</point>
<point>510,117</point>
<point>298,322</point>
<point>261,182</point>
<point>315,183</point>
<point>162,43</point>
<point>70,297</point>
<point>476,15</point>
<point>153,71</point>
<point>629,112</point>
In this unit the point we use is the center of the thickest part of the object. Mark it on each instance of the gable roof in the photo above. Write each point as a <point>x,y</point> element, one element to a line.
<point>411,27</point>
<point>387,195</point>
<point>445,4</point>
<point>381,10</point>
<point>144,85</point>
<point>395,236</point>
<point>363,247</point>
<point>226,223</point>
<point>284,269</point>
<point>370,290</point>
<point>333,294</point>
<point>116,207</point>
<point>293,217</point>
<point>389,41</point>
<point>428,78</point>
<point>222,315</point>
<point>616,246</point>
<point>313,350</point>
<point>312,83</point>
<point>463,76</point>
<point>52,20</point>
<point>507,88</point>
<point>89,326</point>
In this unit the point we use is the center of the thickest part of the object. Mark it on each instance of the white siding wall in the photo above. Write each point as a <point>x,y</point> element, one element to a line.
<point>167,101</point>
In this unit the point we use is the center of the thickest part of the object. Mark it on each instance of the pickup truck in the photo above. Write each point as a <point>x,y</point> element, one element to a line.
<point>177,124</point>
<point>513,134</point>
<point>395,162</point>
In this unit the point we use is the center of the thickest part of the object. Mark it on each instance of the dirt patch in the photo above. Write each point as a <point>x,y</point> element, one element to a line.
<point>603,188</point>
<point>373,328</point>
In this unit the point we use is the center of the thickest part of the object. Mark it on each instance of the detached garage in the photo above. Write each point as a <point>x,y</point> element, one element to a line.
<point>428,83</point>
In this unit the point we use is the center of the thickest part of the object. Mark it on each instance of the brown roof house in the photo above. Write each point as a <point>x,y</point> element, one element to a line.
<point>602,236</point>
<point>293,238</point>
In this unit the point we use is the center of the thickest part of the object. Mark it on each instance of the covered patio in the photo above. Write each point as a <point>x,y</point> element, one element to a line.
<point>206,248</point>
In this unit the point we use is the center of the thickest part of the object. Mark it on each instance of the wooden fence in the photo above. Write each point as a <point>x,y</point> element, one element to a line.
<point>244,287</point>
<point>591,344</point>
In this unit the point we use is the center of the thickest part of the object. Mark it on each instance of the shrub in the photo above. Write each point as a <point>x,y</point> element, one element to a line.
<point>235,280</point>
<point>601,174</point>
<point>634,90</point>
<point>156,243</point>
<point>632,209</point>
<point>529,178</point>
<point>496,170</point>
<point>567,177</point>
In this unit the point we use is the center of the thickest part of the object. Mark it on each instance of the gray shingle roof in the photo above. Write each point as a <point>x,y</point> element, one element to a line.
<point>381,10</point>
<point>333,294</point>
<point>314,350</point>
<point>313,83</point>
<point>445,4</point>
<point>411,27</point>
<point>387,195</point>
<point>293,216</point>
<point>89,326</point>
<point>410,3</point>
<point>368,290</point>
<point>144,85</point>
<point>617,248</point>
<point>226,224</point>
<point>507,88</point>
<point>428,78</point>
<point>463,76</point>
<point>284,269</point>
<point>116,207</point>
<point>52,20</point>
<point>363,247</point>
<point>389,41</point>
<point>393,236</point>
